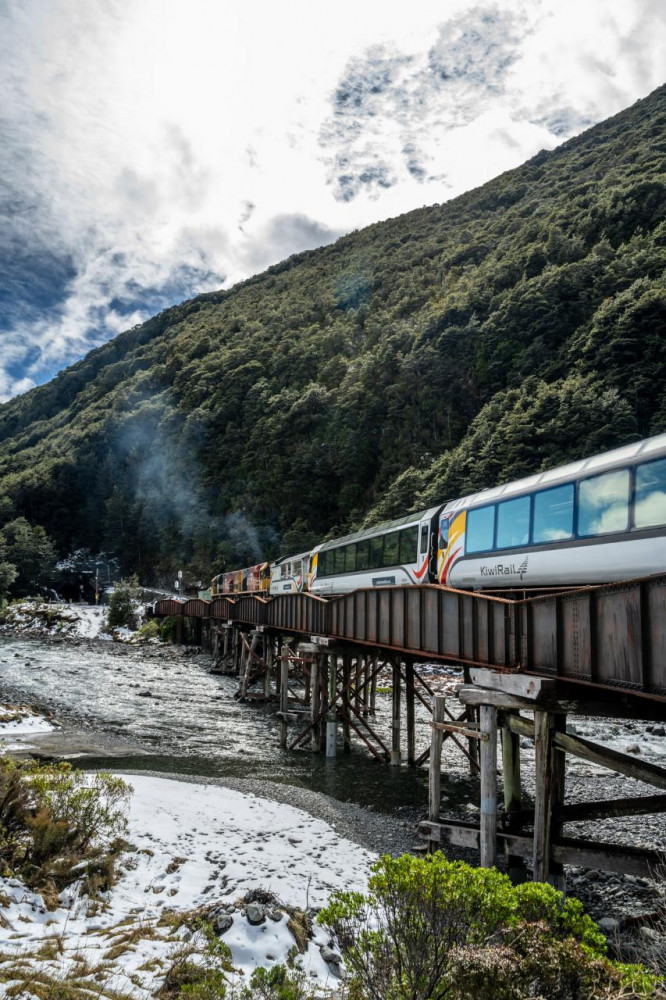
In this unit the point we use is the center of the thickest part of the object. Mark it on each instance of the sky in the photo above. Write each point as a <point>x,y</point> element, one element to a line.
<point>154,149</point>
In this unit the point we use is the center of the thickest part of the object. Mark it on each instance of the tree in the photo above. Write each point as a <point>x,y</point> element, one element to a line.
<point>31,552</point>
<point>122,611</point>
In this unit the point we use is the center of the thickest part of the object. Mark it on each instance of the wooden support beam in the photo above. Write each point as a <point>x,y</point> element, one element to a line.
<point>523,685</point>
<point>623,763</point>
<point>606,857</point>
<point>543,795</point>
<point>268,659</point>
<point>359,667</point>
<point>314,706</point>
<point>411,719</point>
<point>616,705</point>
<point>488,761</point>
<point>373,685</point>
<point>395,717</point>
<point>435,772</point>
<point>461,729</point>
<point>366,685</point>
<point>331,716</point>
<point>284,699</point>
<point>474,696</point>
<point>512,796</point>
<point>472,716</point>
<point>640,806</point>
<point>558,764</point>
<point>346,702</point>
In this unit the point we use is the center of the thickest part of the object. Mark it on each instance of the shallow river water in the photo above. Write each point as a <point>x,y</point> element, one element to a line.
<point>191,723</point>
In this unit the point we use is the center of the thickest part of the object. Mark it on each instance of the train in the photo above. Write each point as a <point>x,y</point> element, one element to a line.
<point>596,520</point>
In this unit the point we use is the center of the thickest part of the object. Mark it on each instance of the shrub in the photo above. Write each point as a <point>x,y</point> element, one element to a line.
<point>168,630</point>
<point>121,611</point>
<point>149,630</point>
<point>53,817</point>
<point>430,929</point>
<point>278,983</point>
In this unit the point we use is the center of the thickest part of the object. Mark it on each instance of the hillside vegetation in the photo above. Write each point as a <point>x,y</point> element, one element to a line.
<point>517,326</point>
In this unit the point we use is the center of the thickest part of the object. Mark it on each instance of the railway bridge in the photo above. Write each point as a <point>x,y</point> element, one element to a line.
<point>527,662</point>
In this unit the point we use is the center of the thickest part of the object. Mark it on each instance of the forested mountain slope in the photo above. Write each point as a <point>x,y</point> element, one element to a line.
<point>520,325</point>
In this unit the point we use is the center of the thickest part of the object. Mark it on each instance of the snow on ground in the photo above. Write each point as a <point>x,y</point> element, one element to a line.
<point>20,720</point>
<point>195,844</point>
<point>90,620</point>
<point>70,621</point>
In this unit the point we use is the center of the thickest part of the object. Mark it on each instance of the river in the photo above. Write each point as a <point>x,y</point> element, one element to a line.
<point>190,724</point>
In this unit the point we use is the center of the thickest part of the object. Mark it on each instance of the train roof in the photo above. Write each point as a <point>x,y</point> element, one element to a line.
<point>300,555</point>
<point>380,529</point>
<point>628,454</point>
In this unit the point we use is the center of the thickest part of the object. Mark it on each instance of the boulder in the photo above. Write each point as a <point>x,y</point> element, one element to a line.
<point>330,956</point>
<point>255,913</point>
<point>222,923</point>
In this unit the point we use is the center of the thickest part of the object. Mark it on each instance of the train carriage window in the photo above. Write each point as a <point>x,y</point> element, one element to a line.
<point>339,565</point>
<point>392,549</point>
<point>603,503</point>
<point>363,554</point>
<point>321,563</point>
<point>376,552</point>
<point>425,531</point>
<point>480,531</point>
<point>409,538</point>
<point>513,523</point>
<point>650,495</point>
<point>553,514</point>
<point>350,558</point>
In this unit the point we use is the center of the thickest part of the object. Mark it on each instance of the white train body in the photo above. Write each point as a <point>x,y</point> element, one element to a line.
<point>395,554</point>
<point>593,521</point>
<point>290,574</point>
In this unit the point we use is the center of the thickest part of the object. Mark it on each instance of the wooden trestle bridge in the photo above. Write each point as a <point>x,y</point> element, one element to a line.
<point>594,651</point>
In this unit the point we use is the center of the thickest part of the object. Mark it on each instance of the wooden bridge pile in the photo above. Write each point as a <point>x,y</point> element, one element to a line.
<point>597,651</point>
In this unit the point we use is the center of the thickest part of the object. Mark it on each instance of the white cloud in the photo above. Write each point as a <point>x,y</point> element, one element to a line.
<point>152,149</point>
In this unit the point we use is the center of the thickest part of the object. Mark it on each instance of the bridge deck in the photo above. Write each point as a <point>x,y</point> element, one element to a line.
<point>611,636</point>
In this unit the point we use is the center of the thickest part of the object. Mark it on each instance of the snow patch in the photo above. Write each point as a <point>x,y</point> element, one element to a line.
<point>195,844</point>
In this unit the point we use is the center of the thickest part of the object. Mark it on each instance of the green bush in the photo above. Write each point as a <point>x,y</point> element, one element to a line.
<point>278,983</point>
<point>121,611</point>
<point>149,630</point>
<point>430,929</point>
<point>168,630</point>
<point>53,817</point>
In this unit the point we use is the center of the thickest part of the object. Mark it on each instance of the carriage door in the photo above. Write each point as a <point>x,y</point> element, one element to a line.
<point>424,547</point>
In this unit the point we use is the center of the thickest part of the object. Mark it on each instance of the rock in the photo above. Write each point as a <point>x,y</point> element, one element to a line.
<point>658,731</point>
<point>632,748</point>
<point>223,922</point>
<point>275,915</point>
<point>330,956</point>
<point>144,694</point>
<point>571,729</point>
<point>609,925</point>
<point>255,913</point>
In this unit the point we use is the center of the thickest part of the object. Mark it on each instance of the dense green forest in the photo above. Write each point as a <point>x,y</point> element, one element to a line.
<point>517,326</point>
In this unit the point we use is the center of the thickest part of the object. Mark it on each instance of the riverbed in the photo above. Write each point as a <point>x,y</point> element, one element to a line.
<point>160,710</point>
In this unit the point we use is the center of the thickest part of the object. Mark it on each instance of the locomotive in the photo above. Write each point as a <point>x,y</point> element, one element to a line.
<point>592,521</point>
